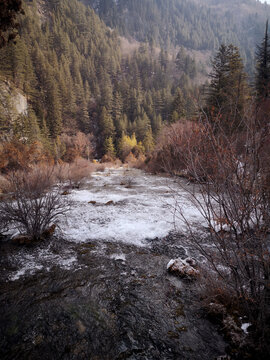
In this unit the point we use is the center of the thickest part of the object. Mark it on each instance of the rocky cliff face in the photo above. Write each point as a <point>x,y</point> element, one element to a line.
<point>13,104</point>
<point>12,100</point>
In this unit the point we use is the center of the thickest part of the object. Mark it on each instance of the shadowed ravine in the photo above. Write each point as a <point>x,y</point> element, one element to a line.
<point>116,301</point>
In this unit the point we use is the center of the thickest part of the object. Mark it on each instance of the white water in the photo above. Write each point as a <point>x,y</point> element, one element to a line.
<point>143,211</point>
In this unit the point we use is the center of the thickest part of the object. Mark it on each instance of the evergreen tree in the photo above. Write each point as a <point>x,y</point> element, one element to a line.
<point>142,126</point>
<point>227,92</point>
<point>156,124</point>
<point>148,141</point>
<point>107,128</point>
<point>263,67</point>
<point>178,106</point>
<point>109,147</point>
<point>53,108</point>
<point>117,106</point>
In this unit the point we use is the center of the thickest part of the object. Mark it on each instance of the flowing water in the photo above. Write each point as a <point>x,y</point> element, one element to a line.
<point>100,288</point>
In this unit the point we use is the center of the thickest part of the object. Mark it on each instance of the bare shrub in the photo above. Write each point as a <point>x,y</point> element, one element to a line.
<point>34,203</point>
<point>135,162</point>
<point>78,145</point>
<point>3,184</point>
<point>79,171</point>
<point>107,159</point>
<point>234,200</point>
<point>170,152</point>
<point>99,167</point>
<point>15,155</point>
<point>128,182</point>
<point>75,173</point>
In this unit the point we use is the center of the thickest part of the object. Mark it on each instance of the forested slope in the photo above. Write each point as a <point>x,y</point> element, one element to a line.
<point>70,67</point>
<point>76,77</point>
<point>200,25</point>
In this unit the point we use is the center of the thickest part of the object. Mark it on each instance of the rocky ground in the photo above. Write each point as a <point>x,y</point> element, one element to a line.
<point>117,302</point>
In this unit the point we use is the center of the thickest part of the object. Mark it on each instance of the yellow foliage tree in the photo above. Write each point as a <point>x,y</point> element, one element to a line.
<point>125,145</point>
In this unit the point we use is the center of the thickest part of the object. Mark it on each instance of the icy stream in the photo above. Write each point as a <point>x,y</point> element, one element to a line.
<point>141,208</point>
<point>118,205</point>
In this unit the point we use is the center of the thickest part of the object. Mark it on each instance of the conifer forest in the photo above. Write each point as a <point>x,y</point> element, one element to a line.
<point>134,179</point>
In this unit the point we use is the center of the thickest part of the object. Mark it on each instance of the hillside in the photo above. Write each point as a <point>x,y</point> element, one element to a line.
<point>72,70</point>
<point>198,25</point>
<point>119,79</point>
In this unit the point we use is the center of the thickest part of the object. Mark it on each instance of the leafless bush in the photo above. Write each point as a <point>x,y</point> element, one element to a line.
<point>78,145</point>
<point>128,182</point>
<point>75,173</point>
<point>170,152</point>
<point>99,167</point>
<point>34,203</point>
<point>234,200</point>
<point>3,184</point>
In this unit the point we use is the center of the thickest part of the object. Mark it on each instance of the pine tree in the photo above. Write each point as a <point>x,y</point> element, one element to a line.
<point>109,147</point>
<point>263,67</point>
<point>121,125</point>
<point>117,106</point>
<point>54,118</point>
<point>107,128</point>
<point>156,124</point>
<point>227,92</point>
<point>142,126</point>
<point>178,106</point>
<point>148,141</point>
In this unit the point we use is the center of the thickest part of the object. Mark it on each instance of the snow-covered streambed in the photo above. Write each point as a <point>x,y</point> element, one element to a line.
<point>118,205</point>
<point>126,205</point>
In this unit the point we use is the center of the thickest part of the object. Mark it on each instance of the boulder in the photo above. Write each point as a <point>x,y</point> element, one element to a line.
<point>48,232</point>
<point>183,268</point>
<point>22,240</point>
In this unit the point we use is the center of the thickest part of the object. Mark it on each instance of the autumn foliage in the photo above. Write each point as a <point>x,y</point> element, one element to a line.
<point>15,155</point>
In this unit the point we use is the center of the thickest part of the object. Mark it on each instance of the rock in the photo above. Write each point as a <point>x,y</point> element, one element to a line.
<point>216,310</point>
<point>49,232</point>
<point>192,262</point>
<point>109,202</point>
<point>92,202</point>
<point>183,268</point>
<point>22,240</point>
<point>232,331</point>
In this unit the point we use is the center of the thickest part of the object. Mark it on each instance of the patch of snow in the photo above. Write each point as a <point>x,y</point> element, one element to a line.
<point>118,257</point>
<point>29,268</point>
<point>28,264</point>
<point>170,263</point>
<point>245,327</point>
<point>67,263</point>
